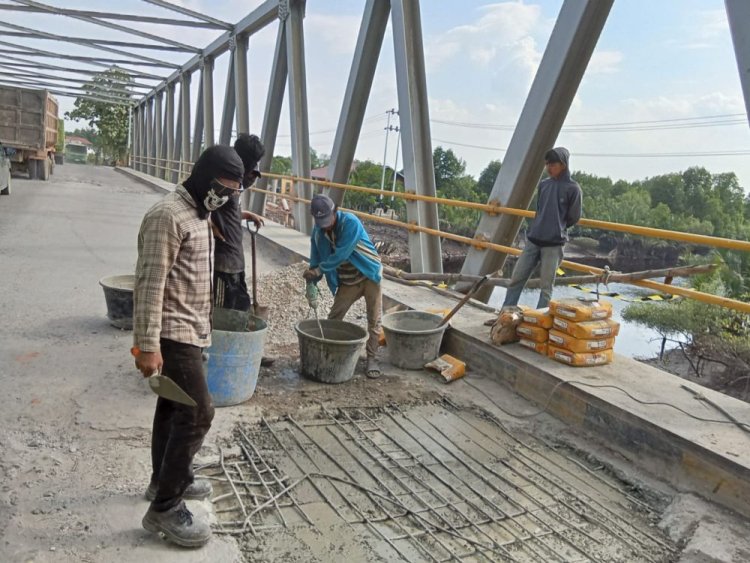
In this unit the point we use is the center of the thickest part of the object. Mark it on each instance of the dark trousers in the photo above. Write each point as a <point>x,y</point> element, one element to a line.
<point>230,291</point>
<point>178,429</point>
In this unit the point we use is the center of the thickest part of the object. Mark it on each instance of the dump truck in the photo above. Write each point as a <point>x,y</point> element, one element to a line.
<point>28,130</point>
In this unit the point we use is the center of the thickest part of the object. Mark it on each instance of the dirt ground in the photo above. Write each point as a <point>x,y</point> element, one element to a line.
<point>75,421</point>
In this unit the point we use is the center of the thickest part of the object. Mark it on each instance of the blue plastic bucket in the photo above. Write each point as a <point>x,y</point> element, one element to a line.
<point>237,342</point>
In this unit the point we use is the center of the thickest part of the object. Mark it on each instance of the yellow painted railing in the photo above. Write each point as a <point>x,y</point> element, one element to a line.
<point>716,242</point>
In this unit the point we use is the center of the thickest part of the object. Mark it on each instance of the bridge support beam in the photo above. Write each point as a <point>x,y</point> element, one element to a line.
<point>568,52</point>
<point>184,126</point>
<point>198,126</point>
<point>366,53</point>
<point>169,151</point>
<point>271,117</point>
<point>150,168</point>
<point>207,82</point>
<point>242,100</point>
<point>158,126</point>
<point>416,144</point>
<point>298,111</point>
<point>738,14</point>
<point>227,113</point>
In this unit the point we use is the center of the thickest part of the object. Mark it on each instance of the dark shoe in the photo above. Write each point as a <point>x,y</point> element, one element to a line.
<point>200,489</point>
<point>266,362</point>
<point>178,525</point>
<point>373,369</point>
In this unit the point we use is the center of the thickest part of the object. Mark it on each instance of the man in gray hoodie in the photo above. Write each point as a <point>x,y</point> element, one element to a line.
<point>558,208</point>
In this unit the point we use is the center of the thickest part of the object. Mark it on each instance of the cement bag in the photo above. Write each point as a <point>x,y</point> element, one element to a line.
<point>532,332</point>
<point>539,317</point>
<point>578,310</point>
<point>539,347</point>
<point>580,359</point>
<point>573,344</point>
<point>504,329</point>
<point>588,330</point>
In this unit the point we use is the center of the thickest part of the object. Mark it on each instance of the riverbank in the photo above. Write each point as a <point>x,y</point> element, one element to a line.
<point>683,363</point>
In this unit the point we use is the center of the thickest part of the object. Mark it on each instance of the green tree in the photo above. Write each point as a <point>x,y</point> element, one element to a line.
<point>487,178</point>
<point>60,145</point>
<point>281,165</point>
<point>448,166</point>
<point>110,120</point>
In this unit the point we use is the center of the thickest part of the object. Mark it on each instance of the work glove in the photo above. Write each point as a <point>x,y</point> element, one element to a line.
<point>311,274</point>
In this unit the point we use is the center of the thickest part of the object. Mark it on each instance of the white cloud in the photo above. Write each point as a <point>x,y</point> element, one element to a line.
<point>604,62</point>
<point>338,33</point>
<point>503,33</point>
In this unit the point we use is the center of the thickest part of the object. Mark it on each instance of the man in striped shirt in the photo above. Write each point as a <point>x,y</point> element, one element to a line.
<point>341,250</point>
<point>172,323</point>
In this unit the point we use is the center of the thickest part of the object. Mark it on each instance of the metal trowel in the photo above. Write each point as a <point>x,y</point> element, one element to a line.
<point>165,387</point>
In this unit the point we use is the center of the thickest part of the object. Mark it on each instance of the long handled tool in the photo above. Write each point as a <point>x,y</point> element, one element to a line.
<point>258,310</point>
<point>465,298</point>
<point>165,387</point>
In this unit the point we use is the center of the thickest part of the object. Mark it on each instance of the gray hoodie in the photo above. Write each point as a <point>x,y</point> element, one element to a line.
<point>558,207</point>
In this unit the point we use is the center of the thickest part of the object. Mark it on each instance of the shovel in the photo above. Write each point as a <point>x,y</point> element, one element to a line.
<point>165,387</point>
<point>258,310</point>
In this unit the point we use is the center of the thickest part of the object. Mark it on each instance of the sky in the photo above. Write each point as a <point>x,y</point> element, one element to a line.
<point>663,79</point>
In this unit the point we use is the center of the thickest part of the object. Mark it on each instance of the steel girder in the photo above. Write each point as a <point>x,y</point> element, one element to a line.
<point>565,58</point>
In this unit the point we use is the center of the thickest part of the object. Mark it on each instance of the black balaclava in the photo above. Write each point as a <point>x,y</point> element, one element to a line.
<point>251,149</point>
<point>215,162</point>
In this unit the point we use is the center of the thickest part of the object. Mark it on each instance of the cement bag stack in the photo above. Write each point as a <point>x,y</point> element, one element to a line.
<point>533,332</point>
<point>582,333</point>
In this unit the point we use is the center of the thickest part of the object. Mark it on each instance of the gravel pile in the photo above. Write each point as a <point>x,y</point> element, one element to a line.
<point>283,292</point>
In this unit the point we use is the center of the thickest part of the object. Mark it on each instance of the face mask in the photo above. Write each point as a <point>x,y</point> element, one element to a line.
<point>213,200</point>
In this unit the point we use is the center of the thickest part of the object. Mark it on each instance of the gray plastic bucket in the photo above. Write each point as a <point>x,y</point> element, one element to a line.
<point>331,359</point>
<point>118,293</point>
<point>237,342</point>
<point>412,338</point>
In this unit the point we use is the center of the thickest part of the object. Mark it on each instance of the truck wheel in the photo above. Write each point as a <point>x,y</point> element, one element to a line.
<point>31,165</point>
<point>51,162</point>
<point>44,169</point>
<point>6,190</point>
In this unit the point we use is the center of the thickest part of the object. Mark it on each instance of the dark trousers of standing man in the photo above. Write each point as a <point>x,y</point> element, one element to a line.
<point>178,429</point>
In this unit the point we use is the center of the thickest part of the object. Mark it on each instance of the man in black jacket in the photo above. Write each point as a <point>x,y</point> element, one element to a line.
<point>230,288</point>
<point>558,208</point>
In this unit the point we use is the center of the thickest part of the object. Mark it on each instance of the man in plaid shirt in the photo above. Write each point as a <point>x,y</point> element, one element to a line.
<point>172,323</point>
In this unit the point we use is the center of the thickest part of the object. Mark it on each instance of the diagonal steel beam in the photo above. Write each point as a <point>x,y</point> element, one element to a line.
<point>139,58</point>
<point>62,92</point>
<point>253,22</point>
<point>366,53</point>
<point>738,14</point>
<point>227,112</point>
<point>12,61</point>
<point>38,75</point>
<point>560,71</point>
<point>109,42</point>
<point>22,50</point>
<point>187,12</point>
<point>121,17</point>
<point>104,23</point>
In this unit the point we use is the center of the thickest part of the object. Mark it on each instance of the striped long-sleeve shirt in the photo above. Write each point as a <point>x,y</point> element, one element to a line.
<point>172,297</point>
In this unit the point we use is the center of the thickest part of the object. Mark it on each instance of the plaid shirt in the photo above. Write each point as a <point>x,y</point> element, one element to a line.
<point>172,297</point>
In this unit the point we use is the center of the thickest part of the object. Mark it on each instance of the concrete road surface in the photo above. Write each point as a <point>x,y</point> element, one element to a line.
<point>75,416</point>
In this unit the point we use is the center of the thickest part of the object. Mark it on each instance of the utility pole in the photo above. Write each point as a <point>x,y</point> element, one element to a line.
<point>388,129</point>
<point>395,166</point>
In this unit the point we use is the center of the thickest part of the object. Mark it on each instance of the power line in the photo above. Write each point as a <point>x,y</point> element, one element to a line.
<point>696,122</point>
<point>740,152</point>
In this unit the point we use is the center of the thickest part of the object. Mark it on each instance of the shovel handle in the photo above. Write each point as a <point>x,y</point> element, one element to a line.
<point>464,299</point>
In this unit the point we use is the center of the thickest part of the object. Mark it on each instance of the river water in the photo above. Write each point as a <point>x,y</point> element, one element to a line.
<point>634,341</point>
